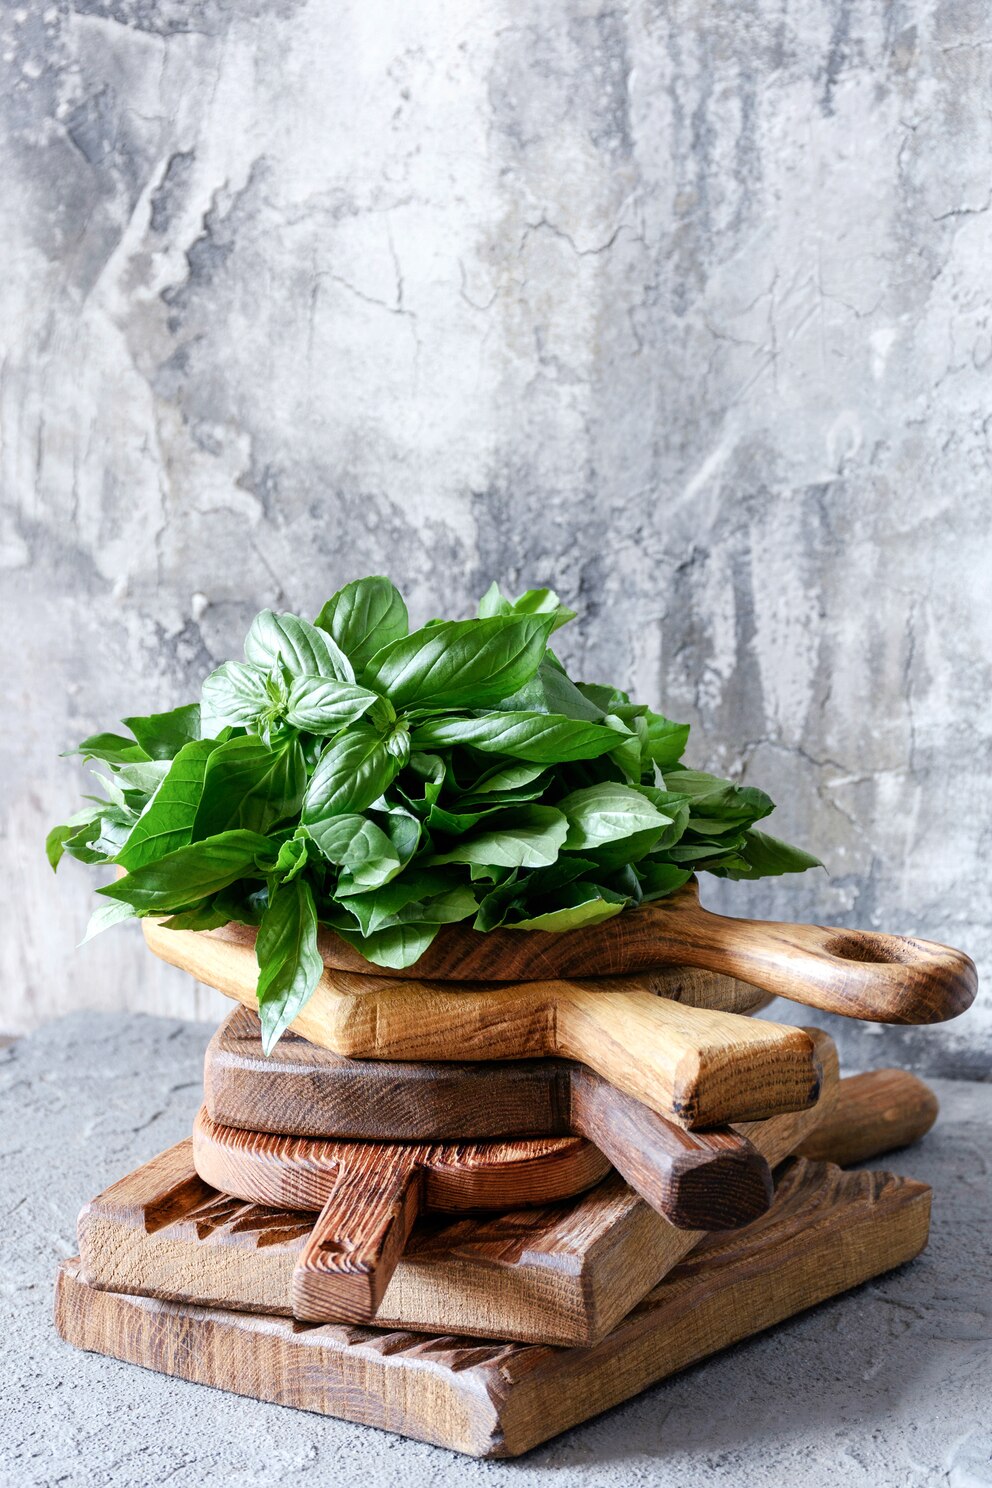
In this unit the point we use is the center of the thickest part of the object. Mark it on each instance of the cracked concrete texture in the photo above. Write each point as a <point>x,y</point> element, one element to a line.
<point>681,308</point>
<point>884,1388</point>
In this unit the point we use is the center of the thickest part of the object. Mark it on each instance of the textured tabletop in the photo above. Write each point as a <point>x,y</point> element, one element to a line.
<point>886,1386</point>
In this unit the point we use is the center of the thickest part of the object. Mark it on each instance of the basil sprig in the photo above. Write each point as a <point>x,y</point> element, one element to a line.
<point>386,782</point>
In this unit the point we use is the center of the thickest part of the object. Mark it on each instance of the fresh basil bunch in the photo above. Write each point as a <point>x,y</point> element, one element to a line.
<point>383,783</point>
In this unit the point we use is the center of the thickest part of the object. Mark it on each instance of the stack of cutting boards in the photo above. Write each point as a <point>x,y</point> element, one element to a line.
<point>481,1205</point>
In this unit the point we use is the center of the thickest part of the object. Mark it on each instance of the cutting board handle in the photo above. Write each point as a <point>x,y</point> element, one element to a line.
<point>873,1113</point>
<point>698,1180</point>
<point>858,973</point>
<point>697,1066</point>
<point>360,1234</point>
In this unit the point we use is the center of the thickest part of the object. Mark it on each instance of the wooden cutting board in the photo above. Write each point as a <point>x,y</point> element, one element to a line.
<point>699,1180</point>
<point>826,1232</point>
<point>700,1067</point>
<point>562,1274</point>
<point>861,974</point>
<point>369,1194</point>
<point>566,1286</point>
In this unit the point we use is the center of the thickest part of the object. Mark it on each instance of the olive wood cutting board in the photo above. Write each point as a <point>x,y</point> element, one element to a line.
<point>370,1193</point>
<point>859,973</point>
<point>699,1066</point>
<point>317,1289</point>
<point>699,1180</point>
<point>564,1274</point>
<point>826,1232</point>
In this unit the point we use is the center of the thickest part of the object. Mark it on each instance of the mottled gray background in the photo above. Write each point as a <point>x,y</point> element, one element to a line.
<point>680,307</point>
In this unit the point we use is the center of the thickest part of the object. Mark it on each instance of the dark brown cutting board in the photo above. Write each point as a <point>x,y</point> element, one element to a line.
<point>861,974</point>
<point>826,1232</point>
<point>369,1194</point>
<point>699,1180</point>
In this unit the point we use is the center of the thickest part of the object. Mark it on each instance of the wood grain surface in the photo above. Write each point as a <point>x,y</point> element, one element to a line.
<point>881,1111</point>
<point>698,1180</point>
<point>701,1067</point>
<point>368,1195</point>
<point>562,1275</point>
<point>827,1231</point>
<point>858,973</point>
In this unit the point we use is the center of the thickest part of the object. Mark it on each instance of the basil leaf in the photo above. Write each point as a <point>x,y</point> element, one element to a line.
<point>552,691</point>
<point>234,695</point>
<point>533,602</point>
<point>660,879</point>
<point>607,812</point>
<point>58,837</point>
<point>247,784</point>
<point>581,905</point>
<point>367,855</point>
<point>352,772</point>
<point>323,706</point>
<point>162,735</point>
<point>460,662</point>
<point>391,904</point>
<point>446,908</point>
<point>465,775</point>
<point>714,800</point>
<point>141,780</point>
<point>529,837</point>
<point>506,779</point>
<point>765,856</point>
<point>399,946</point>
<point>628,750</point>
<point>103,918</point>
<point>289,964</point>
<point>666,740</point>
<point>335,835</point>
<point>608,699</point>
<point>190,873</point>
<point>519,890</point>
<point>628,849</point>
<point>206,914</point>
<point>365,616</point>
<point>113,749</point>
<point>540,738</point>
<point>96,841</point>
<point>291,643</point>
<point>167,821</point>
<point>294,854</point>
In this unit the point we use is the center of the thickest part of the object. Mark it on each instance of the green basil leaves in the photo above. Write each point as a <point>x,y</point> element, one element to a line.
<point>381,783</point>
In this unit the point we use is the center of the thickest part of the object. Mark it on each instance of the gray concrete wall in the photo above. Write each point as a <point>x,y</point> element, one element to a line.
<point>680,307</point>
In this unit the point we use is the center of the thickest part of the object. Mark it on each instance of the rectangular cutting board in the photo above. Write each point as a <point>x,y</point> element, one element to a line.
<point>827,1231</point>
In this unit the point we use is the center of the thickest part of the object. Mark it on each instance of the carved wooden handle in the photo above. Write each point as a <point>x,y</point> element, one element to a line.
<point>360,1234</point>
<point>858,973</point>
<point>872,1113</point>
<point>695,1065</point>
<point>697,1180</point>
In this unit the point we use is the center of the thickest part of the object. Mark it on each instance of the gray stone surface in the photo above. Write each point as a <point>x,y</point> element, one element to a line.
<point>885,1388</point>
<point>680,307</point>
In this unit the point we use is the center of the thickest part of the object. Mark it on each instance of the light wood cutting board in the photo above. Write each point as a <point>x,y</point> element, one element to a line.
<point>700,1067</point>
<point>858,973</point>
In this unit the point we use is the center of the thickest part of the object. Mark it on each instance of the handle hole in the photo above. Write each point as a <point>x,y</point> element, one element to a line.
<point>861,945</point>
